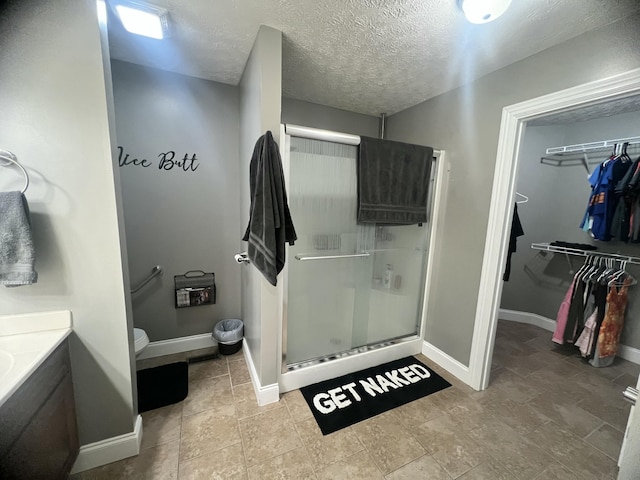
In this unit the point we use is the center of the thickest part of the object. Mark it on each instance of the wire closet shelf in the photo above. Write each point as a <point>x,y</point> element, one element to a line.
<point>585,153</point>
<point>585,253</point>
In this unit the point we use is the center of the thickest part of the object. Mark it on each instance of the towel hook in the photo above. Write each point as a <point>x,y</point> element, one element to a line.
<point>12,159</point>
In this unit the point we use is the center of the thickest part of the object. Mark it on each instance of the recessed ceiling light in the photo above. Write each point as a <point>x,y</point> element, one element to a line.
<point>483,11</point>
<point>143,19</point>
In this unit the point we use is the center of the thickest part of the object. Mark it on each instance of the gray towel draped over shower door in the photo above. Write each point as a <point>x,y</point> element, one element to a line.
<point>393,182</point>
<point>270,224</point>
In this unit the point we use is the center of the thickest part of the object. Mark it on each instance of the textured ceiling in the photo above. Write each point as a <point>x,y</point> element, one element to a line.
<point>367,56</point>
<point>600,110</point>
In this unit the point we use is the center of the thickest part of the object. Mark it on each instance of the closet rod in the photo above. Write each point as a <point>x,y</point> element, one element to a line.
<point>326,135</point>
<point>584,253</point>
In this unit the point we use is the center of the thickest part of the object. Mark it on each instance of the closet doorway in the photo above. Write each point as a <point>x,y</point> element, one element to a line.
<point>516,120</point>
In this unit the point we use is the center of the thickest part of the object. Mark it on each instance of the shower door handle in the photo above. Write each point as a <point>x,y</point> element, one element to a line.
<point>329,257</point>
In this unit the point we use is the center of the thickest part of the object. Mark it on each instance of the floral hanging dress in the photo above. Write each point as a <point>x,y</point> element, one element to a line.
<point>611,328</point>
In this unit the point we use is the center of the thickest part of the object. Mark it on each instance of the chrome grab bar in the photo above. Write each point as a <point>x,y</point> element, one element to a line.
<point>329,257</point>
<point>631,395</point>
<point>155,271</point>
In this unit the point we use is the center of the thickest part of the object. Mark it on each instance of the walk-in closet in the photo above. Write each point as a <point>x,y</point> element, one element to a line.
<point>570,301</point>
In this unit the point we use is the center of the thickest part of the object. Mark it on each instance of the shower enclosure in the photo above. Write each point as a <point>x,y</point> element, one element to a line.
<point>353,293</point>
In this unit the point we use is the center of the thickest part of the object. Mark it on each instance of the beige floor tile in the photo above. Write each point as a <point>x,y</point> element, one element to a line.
<point>293,465</point>
<point>607,439</point>
<point>550,382</point>
<point>297,405</point>
<point>424,467</point>
<point>267,435</point>
<point>154,463</point>
<point>626,380</point>
<point>226,464</point>
<point>489,470</point>
<point>513,385</point>
<point>449,399</point>
<point>520,456</point>
<point>359,466</point>
<point>207,393</point>
<point>326,449</point>
<point>244,398</point>
<point>208,369</point>
<point>572,452</point>
<point>522,365</point>
<point>590,464</point>
<point>390,444</point>
<point>161,425</point>
<point>239,372</point>
<point>208,431</point>
<point>236,356</point>
<point>453,450</point>
<point>615,411</point>
<point>574,418</point>
<point>418,411</point>
<point>521,417</point>
<point>555,471</point>
<point>310,432</point>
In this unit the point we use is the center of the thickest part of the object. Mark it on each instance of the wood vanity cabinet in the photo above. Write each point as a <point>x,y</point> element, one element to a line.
<point>38,431</point>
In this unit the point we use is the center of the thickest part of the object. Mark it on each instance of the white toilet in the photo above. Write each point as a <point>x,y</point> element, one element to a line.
<point>140,340</point>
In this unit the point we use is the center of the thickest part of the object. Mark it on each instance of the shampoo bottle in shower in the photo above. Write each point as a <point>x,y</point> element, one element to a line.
<point>388,276</point>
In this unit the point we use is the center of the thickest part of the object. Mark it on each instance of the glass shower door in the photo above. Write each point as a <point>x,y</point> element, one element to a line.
<point>349,285</point>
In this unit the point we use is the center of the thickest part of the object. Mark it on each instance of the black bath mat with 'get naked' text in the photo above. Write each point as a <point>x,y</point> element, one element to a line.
<point>343,401</point>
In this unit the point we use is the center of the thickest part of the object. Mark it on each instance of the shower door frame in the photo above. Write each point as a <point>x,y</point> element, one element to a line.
<point>364,357</point>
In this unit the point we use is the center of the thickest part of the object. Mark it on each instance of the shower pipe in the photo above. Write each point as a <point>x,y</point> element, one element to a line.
<point>155,271</point>
<point>325,135</point>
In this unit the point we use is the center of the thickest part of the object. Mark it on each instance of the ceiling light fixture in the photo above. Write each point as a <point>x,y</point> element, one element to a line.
<point>483,11</point>
<point>143,19</point>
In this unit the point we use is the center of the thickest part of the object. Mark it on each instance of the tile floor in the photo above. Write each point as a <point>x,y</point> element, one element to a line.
<point>546,415</point>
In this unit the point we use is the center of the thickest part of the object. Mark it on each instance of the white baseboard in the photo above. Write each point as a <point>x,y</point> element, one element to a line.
<point>110,450</point>
<point>450,364</point>
<point>630,354</point>
<point>268,393</point>
<point>177,345</point>
<point>529,318</point>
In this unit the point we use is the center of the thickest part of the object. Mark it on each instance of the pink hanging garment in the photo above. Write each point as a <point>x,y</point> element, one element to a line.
<point>586,337</point>
<point>563,314</point>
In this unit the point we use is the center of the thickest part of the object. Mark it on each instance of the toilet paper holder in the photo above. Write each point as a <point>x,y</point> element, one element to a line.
<point>242,257</point>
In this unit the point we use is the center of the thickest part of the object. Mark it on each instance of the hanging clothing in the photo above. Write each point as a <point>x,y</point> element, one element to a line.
<point>563,314</point>
<point>585,340</point>
<point>605,182</point>
<point>611,329</point>
<point>516,231</point>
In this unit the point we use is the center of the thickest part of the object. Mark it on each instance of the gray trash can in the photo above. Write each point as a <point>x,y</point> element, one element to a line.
<point>228,333</point>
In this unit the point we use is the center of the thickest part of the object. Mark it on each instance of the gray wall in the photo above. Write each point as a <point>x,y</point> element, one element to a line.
<point>298,112</point>
<point>182,220</point>
<point>557,201</point>
<point>55,119</point>
<point>260,106</point>
<point>466,122</point>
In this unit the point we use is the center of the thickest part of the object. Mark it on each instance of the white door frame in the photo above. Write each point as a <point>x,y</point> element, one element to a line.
<point>501,210</point>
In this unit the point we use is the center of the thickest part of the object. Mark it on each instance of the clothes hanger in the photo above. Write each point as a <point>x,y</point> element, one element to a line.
<point>524,198</point>
<point>586,268</point>
<point>13,160</point>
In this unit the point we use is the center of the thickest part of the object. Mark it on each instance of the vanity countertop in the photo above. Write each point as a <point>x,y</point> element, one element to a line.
<point>26,340</point>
